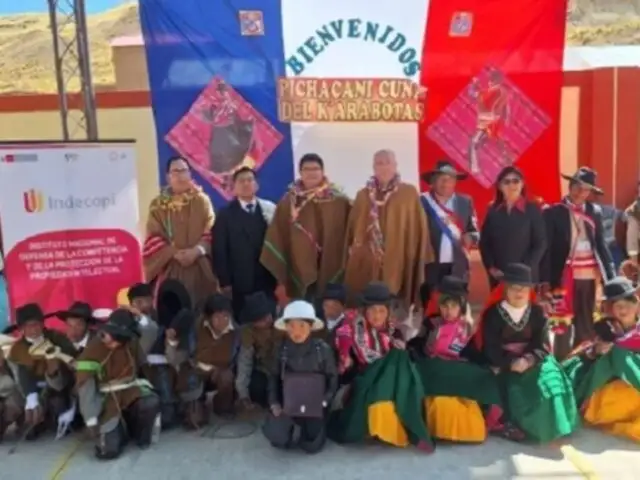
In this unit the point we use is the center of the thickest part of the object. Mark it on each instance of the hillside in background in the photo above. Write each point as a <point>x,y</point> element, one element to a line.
<point>26,58</point>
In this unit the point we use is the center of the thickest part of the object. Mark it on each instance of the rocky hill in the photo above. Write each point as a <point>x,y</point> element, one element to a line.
<point>26,59</point>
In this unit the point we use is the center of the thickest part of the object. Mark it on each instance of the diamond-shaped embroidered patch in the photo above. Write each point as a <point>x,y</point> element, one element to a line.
<point>222,132</point>
<point>251,22</point>
<point>488,126</point>
<point>461,24</point>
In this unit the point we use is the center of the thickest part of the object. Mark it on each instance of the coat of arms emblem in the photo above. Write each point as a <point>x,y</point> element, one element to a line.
<point>251,22</point>
<point>461,24</point>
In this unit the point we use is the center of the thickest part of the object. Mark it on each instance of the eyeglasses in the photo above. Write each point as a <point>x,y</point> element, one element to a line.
<point>178,171</point>
<point>511,181</point>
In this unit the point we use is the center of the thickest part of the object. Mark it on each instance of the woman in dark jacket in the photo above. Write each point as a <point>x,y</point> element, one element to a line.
<point>513,230</point>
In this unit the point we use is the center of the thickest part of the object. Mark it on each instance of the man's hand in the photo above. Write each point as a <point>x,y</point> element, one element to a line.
<point>189,256</point>
<point>276,410</point>
<point>495,273</point>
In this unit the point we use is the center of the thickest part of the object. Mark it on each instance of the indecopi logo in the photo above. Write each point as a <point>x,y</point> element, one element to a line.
<point>35,202</point>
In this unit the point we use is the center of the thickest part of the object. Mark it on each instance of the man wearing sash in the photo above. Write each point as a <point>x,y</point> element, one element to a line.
<point>453,225</point>
<point>387,234</point>
<point>578,256</point>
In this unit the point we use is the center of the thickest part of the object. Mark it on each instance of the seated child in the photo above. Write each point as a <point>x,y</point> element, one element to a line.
<point>385,398</point>
<point>537,399</point>
<point>115,401</point>
<point>303,383</point>
<point>606,373</point>
<point>454,388</point>
<point>41,362</point>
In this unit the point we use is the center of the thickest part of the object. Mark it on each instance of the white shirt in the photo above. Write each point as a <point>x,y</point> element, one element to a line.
<point>516,313</point>
<point>244,205</point>
<point>446,247</point>
<point>82,343</point>
<point>332,324</point>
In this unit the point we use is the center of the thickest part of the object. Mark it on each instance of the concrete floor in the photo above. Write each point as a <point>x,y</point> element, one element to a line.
<point>181,456</point>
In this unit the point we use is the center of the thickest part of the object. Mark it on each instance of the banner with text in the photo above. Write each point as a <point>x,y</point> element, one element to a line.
<point>69,222</point>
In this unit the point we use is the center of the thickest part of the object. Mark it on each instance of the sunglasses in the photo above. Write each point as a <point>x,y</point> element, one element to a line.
<point>511,181</point>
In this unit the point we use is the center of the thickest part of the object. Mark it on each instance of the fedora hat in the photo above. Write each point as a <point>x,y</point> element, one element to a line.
<point>121,325</point>
<point>299,310</point>
<point>256,307</point>
<point>30,312</point>
<point>587,177</point>
<point>443,167</point>
<point>77,310</point>
<point>517,274</point>
<point>617,289</point>
<point>376,293</point>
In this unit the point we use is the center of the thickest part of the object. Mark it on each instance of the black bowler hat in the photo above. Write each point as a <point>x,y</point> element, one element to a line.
<point>335,291</point>
<point>30,312</point>
<point>618,288</point>
<point>517,274</point>
<point>443,167</point>
<point>121,325</point>
<point>256,307</point>
<point>587,177</point>
<point>376,293</point>
<point>453,286</point>
<point>77,310</point>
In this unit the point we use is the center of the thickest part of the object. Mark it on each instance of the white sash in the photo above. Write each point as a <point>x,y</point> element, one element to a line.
<point>446,219</point>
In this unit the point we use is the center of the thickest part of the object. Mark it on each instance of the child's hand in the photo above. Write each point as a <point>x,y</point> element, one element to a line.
<point>602,348</point>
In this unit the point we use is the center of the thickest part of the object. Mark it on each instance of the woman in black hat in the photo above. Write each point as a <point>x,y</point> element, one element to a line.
<point>259,343</point>
<point>385,398</point>
<point>606,372</point>
<point>37,361</point>
<point>536,396</point>
<point>115,401</point>
<point>513,230</point>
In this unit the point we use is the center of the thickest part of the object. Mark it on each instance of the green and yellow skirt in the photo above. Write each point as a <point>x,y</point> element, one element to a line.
<point>386,403</point>
<point>607,390</point>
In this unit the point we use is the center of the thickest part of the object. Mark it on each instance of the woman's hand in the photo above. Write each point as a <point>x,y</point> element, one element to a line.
<point>399,344</point>
<point>520,365</point>
<point>602,348</point>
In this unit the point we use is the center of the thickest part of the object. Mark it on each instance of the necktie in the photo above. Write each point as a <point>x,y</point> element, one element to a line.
<point>250,208</point>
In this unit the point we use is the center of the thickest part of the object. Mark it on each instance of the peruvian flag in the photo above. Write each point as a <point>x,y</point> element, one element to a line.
<point>493,73</point>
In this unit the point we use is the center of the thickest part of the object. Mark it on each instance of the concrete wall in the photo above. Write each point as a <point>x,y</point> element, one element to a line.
<point>600,126</point>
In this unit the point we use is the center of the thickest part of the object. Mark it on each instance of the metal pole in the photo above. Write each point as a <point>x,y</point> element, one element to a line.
<point>84,63</point>
<point>62,94</point>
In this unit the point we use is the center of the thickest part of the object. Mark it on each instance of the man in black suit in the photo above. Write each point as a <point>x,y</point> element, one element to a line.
<point>237,238</point>
<point>577,256</point>
<point>453,225</point>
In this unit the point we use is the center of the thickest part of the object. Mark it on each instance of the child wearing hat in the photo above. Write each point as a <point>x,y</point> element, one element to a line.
<point>454,387</point>
<point>333,306</point>
<point>259,343</point>
<point>303,383</point>
<point>116,402</point>
<point>217,346</point>
<point>537,403</point>
<point>605,372</point>
<point>80,323</point>
<point>39,360</point>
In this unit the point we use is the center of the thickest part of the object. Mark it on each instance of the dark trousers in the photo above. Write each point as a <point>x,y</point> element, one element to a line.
<point>137,422</point>
<point>280,431</point>
<point>584,301</point>
<point>258,388</point>
<point>433,275</point>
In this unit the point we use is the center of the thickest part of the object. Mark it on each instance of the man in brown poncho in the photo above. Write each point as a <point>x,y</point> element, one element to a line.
<point>387,236</point>
<point>178,239</point>
<point>304,248</point>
